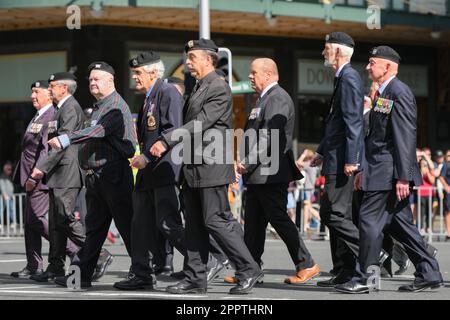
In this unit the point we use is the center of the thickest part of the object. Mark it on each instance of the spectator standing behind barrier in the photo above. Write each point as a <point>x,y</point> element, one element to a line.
<point>445,180</point>
<point>425,193</point>
<point>304,163</point>
<point>7,193</point>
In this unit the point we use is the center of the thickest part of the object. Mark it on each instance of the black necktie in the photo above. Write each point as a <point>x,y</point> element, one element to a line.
<point>197,85</point>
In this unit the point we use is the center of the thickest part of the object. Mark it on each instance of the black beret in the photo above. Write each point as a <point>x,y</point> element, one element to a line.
<point>62,76</point>
<point>340,38</point>
<point>174,80</point>
<point>145,58</point>
<point>101,65</point>
<point>385,52</point>
<point>40,84</point>
<point>202,44</point>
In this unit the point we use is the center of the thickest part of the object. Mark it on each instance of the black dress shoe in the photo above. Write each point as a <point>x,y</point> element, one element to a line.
<point>342,277</point>
<point>352,287</point>
<point>420,285</point>
<point>104,260</point>
<point>185,287</point>
<point>62,281</point>
<point>163,271</point>
<point>180,275</point>
<point>47,275</point>
<point>135,283</point>
<point>26,273</point>
<point>403,268</point>
<point>214,271</point>
<point>245,286</point>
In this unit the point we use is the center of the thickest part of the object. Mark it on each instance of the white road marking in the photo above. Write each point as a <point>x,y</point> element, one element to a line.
<point>14,260</point>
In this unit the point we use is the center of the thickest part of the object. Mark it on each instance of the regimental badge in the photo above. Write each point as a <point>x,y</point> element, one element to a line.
<point>134,62</point>
<point>191,43</point>
<point>327,37</point>
<point>35,128</point>
<point>52,77</point>
<point>151,121</point>
<point>374,51</point>
<point>383,105</point>
<point>254,113</point>
<point>52,126</point>
<point>37,84</point>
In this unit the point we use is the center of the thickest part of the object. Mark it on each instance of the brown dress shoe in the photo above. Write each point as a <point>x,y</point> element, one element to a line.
<point>303,275</point>
<point>230,279</point>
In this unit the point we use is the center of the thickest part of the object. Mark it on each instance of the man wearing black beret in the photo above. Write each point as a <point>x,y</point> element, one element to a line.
<point>205,180</point>
<point>34,147</point>
<point>389,172</point>
<point>61,172</point>
<point>340,154</point>
<point>155,195</point>
<point>106,144</point>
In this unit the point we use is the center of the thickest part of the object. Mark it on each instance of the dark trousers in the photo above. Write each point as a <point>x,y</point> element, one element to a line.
<point>388,243</point>
<point>267,203</point>
<point>380,211</point>
<point>156,209</point>
<point>208,212</point>
<point>105,201</point>
<point>163,257</point>
<point>63,225</point>
<point>336,214</point>
<point>36,228</point>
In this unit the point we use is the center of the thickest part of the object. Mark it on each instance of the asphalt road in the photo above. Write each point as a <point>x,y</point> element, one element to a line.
<point>277,267</point>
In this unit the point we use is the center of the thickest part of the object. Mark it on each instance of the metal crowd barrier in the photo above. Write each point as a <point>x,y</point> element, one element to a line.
<point>436,193</point>
<point>12,226</point>
<point>431,233</point>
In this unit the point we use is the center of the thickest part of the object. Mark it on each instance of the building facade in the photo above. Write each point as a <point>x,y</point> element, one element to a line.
<point>37,39</point>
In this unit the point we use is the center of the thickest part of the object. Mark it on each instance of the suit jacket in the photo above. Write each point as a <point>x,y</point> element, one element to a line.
<point>61,167</point>
<point>274,111</point>
<point>34,148</point>
<point>165,105</point>
<point>210,105</point>
<point>344,124</point>
<point>390,147</point>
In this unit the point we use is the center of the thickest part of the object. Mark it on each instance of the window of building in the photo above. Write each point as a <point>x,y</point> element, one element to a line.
<point>20,70</point>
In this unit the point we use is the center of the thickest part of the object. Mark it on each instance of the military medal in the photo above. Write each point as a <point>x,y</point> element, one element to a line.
<point>254,113</point>
<point>35,128</point>
<point>52,126</point>
<point>384,105</point>
<point>151,121</point>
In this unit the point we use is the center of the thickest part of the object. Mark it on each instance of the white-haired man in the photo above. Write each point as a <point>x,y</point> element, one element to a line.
<point>339,153</point>
<point>155,196</point>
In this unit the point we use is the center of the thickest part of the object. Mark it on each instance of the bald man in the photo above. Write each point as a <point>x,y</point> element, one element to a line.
<point>267,179</point>
<point>106,143</point>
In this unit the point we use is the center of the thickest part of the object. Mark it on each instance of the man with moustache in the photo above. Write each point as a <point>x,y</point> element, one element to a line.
<point>205,180</point>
